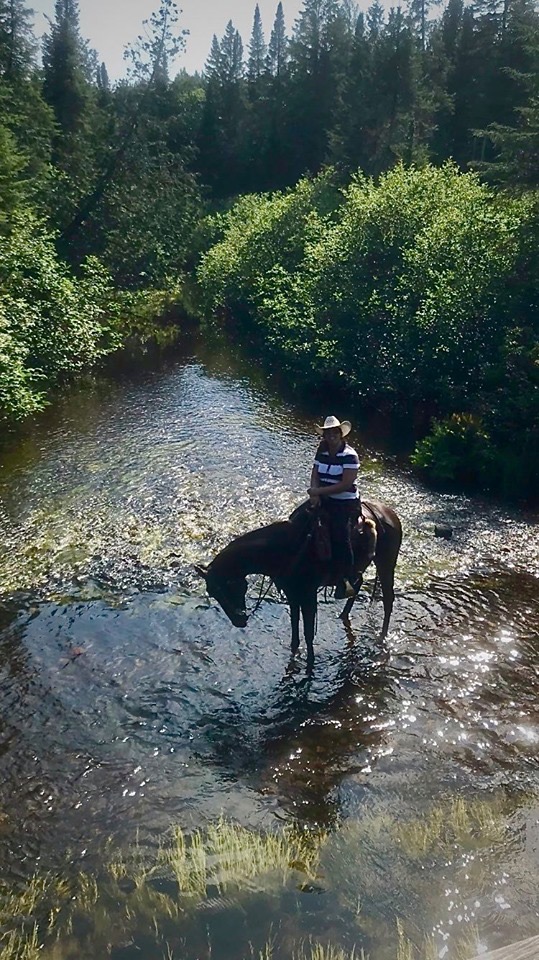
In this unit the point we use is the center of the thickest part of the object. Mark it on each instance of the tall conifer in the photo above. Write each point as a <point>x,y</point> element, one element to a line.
<point>257,49</point>
<point>278,45</point>
<point>64,83</point>
<point>17,43</point>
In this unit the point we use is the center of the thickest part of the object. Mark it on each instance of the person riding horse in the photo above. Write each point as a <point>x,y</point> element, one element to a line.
<point>334,489</point>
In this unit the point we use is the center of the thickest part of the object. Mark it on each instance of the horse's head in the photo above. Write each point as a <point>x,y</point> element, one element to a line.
<point>228,591</point>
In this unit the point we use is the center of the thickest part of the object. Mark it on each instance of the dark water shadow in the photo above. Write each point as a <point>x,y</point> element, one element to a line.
<point>312,731</point>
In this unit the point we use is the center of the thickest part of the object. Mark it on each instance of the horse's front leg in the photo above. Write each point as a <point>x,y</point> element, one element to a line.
<point>294,618</point>
<point>308,609</point>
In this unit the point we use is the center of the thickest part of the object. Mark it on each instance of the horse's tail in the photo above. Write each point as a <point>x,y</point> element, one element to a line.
<point>374,587</point>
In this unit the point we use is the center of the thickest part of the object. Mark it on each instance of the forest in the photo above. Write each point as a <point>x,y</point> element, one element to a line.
<point>356,190</point>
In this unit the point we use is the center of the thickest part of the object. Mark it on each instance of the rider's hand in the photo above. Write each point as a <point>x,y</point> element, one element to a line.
<point>315,501</point>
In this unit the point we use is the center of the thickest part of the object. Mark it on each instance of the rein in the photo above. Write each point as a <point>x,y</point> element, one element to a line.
<point>262,595</point>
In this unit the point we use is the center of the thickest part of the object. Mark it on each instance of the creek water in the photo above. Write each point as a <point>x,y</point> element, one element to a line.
<point>129,704</point>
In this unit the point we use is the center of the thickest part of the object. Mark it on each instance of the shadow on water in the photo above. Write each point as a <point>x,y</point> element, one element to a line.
<point>311,730</point>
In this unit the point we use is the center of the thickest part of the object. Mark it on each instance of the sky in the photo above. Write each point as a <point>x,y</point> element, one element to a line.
<point>111,24</point>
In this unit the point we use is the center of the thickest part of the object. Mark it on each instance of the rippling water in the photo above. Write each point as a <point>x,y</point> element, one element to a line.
<point>129,702</point>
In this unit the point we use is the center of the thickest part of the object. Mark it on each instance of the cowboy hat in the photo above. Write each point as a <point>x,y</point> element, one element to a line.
<point>331,422</point>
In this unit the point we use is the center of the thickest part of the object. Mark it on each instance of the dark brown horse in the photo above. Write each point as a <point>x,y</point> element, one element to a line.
<point>287,553</point>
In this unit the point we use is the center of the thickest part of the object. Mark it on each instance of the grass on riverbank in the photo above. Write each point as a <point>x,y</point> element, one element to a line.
<point>372,872</point>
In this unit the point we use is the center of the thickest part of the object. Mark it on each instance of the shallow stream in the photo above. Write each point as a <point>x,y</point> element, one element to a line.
<point>130,705</point>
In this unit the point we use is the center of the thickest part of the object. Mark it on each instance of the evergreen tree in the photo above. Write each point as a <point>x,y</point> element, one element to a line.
<point>213,69</point>
<point>278,45</point>
<point>17,43</point>
<point>64,81</point>
<point>232,55</point>
<point>320,52</point>
<point>223,118</point>
<point>103,81</point>
<point>394,69</point>
<point>22,108</point>
<point>513,136</point>
<point>352,143</point>
<point>162,41</point>
<point>419,11</point>
<point>257,50</point>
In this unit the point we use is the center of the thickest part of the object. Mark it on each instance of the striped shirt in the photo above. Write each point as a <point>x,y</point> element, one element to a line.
<point>332,470</point>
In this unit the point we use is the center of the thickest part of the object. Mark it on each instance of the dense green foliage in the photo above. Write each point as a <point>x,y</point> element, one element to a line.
<point>369,89</point>
<point>50,324</point>
<point>412,291</point>
<point>96,195</point>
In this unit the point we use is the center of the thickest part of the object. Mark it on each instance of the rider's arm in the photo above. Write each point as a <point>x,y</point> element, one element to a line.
<point>349,477</point>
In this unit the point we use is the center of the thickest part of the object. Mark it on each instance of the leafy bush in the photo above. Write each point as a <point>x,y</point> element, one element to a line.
<point>418,290</point>
<point>51,324</point>
<point>458,449</point>
<point>264,234</point>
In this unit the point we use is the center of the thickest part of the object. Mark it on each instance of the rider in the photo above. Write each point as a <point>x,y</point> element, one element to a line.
<point>333,487</point>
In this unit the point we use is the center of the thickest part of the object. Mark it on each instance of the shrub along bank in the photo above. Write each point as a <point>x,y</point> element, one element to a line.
<point>418,291</point>
<point>55,323</point>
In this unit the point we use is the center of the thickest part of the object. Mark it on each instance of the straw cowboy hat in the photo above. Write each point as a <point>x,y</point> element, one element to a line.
<point>331,422</point>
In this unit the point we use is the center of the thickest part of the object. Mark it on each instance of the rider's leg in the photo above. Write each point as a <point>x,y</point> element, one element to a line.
<point>342,512</point>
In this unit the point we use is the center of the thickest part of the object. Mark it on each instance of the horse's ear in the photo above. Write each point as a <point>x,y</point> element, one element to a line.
<point>201,569</point>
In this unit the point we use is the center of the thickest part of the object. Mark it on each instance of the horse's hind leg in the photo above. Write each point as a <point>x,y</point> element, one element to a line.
<point>386,575</point>
<point>294,618</point>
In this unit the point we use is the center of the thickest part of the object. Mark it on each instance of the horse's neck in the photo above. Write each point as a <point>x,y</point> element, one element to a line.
<point>260,551</point>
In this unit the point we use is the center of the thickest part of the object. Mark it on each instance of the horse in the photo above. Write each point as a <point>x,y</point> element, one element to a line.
<point>286,551</point>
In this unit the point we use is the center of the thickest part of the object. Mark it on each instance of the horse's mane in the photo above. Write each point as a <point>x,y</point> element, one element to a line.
<point>279,537</point>
<point>270,533</point>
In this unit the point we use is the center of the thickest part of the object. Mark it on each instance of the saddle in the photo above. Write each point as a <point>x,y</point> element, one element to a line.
<point>364,537</point>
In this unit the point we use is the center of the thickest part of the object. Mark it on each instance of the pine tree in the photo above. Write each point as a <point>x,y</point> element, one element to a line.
<point>320,52</point>
<point>352,143</point>
<point>395,75</point>
<point>419,11</point>
<point>103,81</point>
<point>23,110</point>
<point>17,43</point>
<point>278,45</point>
<point>231,55</point>
<point>213,67</point>
<point>223,119</point>
<point>512,135</point>
<point>64,59</point>
<point>257,50</point>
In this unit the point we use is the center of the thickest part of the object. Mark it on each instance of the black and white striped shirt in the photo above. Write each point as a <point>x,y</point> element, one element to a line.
<point>332,470</point>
